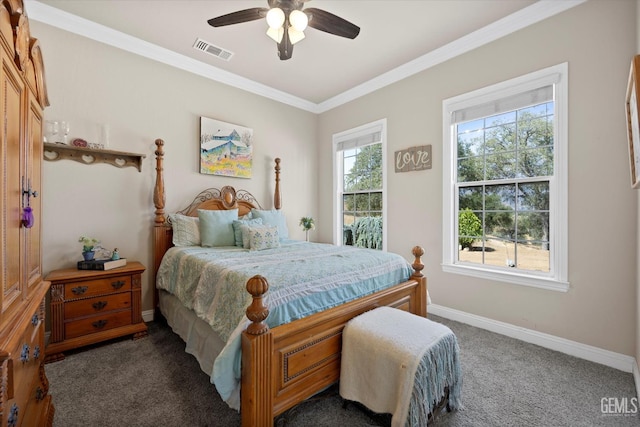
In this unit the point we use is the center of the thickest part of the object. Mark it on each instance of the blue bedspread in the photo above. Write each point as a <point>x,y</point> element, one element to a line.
<point>304,278</point>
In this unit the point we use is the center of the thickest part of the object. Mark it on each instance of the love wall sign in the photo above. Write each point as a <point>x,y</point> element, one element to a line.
<point>413,159</point>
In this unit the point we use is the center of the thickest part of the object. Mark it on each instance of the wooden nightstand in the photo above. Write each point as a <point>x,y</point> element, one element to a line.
<point>90,306</point>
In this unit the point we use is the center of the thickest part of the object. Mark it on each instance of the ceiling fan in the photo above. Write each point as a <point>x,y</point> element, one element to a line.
<point>287,21</point>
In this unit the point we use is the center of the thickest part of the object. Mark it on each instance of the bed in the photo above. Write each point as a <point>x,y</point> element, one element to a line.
<point>278,365</point>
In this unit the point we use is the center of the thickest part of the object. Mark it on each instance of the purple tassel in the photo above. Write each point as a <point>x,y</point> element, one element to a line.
<point>27,217</point>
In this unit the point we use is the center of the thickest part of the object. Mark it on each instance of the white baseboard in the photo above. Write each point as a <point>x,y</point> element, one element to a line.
<point>573,348</point>
<point>147,315</point>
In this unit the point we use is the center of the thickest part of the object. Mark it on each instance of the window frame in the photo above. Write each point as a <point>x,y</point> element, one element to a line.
<point>338,174</point>
<point>557,278</point>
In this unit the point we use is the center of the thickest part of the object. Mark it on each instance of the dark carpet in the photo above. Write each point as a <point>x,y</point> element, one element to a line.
<point>153,382</point>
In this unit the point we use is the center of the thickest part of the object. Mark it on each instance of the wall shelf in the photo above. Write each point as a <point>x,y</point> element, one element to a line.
<point>89,156</point>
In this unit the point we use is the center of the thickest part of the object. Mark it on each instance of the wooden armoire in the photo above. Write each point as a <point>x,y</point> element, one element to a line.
<point>24,389</point>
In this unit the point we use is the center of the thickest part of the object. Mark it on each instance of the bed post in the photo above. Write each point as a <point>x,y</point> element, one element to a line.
<point>417,275</point>
<point>161,241</point>
<point>256,407</point>
<point>277,197</point>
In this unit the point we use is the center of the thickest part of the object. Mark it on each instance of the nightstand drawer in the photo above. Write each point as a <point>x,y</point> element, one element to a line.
<point>101,304</point>
<point>97,287</point>
<point>99,323</point>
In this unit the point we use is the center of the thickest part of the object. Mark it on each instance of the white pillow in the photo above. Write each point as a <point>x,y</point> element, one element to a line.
<point>264,237</point>
<point>186,230</point>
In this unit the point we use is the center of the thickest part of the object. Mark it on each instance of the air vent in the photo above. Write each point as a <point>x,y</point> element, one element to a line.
<point>212,50</point>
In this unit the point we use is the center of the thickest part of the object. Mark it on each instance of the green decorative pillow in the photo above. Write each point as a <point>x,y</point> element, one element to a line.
<point>216,227</point>
<point>186,230</point>
<point>237,230</point>
<point>275,218</point>
<point>265,237</point>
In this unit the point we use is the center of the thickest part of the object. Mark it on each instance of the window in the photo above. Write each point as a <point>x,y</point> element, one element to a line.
<point>359,186</point>
<point>505,181</point>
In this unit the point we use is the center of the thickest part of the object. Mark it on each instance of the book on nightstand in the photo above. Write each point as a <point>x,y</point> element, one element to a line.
<point>102,264</point>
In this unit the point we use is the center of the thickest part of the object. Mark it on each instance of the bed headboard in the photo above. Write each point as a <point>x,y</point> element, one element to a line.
<point>224,198</point>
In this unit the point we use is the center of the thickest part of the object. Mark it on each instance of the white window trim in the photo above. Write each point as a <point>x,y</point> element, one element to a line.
<point>557,279</point>
<point>338,173</point>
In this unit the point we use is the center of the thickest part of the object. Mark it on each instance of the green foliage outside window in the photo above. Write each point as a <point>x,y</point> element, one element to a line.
<point>362,197</point>
<point>469,228</point>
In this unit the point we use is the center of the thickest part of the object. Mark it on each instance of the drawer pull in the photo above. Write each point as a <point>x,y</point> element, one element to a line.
<point>36,352</point>
<point>99,324</point>
<point>24,354</point>
<point>12,420</point>
<point>79,290</point>
<point>99,305</point>
<point>35,320</point>
<point>118,284</point>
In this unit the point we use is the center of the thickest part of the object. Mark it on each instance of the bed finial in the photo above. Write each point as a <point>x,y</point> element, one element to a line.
<point>158,192</point>
<point>417,264</point>
<point>257,312</point>
<point>277,198</point>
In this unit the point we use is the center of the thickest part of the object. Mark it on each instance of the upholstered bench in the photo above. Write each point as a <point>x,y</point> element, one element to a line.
<point>398,363</point>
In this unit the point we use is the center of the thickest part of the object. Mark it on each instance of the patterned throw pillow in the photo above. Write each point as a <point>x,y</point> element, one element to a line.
<point>244,230</point>
<point>273,217</point>
<point>186,230</point>
<point>261,238</point>
<point>237,230</point>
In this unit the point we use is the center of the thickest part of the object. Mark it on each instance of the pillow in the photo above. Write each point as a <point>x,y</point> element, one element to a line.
<point>264,237</point>
<point>237,231</point>
<point>244,230</point>
<point>216,227</point>
<point>275,218</point>
<point>186,230</point>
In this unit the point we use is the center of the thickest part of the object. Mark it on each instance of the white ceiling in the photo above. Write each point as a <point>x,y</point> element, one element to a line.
<point>397,38</point>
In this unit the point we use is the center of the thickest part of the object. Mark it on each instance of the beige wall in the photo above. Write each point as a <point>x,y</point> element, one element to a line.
<point>597,39</point>
<point>91,83</point>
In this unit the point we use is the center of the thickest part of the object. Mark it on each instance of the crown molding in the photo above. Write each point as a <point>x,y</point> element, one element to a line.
<point>530,15</point>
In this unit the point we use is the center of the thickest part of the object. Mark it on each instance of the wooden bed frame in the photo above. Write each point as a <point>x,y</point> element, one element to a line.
<point>285,365</point>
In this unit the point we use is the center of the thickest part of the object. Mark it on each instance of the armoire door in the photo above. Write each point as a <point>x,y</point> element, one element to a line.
<point>33,182</point>
<point>11,110</point>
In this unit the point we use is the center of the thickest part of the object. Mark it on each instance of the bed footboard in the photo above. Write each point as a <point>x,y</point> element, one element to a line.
<point>285,365</point>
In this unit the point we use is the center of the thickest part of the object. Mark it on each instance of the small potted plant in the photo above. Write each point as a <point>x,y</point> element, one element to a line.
<point>88,245</point>
<point>306,222</point>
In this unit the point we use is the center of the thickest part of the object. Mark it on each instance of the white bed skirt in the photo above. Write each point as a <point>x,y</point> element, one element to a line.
<point>201,340</point>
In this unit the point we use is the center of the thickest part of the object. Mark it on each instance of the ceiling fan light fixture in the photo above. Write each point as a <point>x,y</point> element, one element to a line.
<point>275,18</point>
<point>298,20</point>
<point>294,35</point>
<point>276,34</point>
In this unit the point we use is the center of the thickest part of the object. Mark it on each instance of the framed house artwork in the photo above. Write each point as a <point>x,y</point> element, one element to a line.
<point>225,149</point>
<point>633,123</point>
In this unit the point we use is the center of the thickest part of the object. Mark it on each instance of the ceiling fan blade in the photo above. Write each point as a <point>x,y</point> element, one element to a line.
<point>239,17</point>
<point>330,23</point>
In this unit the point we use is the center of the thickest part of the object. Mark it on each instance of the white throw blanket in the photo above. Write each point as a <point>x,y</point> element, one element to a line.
<point>380,356</point>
